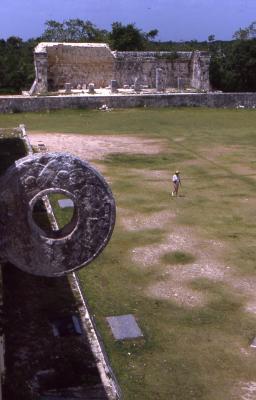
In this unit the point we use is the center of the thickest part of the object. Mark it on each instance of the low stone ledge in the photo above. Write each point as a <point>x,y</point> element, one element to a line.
<point>12,104</point>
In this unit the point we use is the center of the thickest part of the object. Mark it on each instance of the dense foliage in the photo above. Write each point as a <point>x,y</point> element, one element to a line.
<point>233,66</point>
<point>16,64</point>
<point>73,30</point>
<point>233,63</point>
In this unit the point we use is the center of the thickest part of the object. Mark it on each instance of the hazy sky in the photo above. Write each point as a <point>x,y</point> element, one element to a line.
<point>175,19</point>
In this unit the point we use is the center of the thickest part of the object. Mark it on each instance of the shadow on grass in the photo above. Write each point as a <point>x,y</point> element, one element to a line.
<point>30,304</point>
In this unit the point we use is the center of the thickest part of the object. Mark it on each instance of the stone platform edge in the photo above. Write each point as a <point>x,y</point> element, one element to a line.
<point>13,104</point>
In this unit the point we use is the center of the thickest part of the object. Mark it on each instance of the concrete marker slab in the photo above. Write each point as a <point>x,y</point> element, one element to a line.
<point>66,203</point>
<point>124,327</point>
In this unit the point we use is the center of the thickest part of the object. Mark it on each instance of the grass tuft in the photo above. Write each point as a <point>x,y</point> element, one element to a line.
<point>178,257</point>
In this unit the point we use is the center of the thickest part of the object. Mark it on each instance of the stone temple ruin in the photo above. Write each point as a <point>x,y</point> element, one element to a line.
<point>77,65</point>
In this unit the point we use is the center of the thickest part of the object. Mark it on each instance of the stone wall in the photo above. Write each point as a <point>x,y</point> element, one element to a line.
<point>82,63</point>
<point>10,104</point>
<point>77,64</point>
<point>180,70</point>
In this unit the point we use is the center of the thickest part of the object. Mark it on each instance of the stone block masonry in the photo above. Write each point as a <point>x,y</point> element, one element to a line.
<point>82,63</point>
<point>75,63</point>
<point>190,68</point>
<point>12,104</point>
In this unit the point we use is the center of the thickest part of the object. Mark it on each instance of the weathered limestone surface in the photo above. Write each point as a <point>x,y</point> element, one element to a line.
<point>48,252</point>
<point>160,81</point>
<point>82,63</point>
<point>200,70</point>
<point>76,63</point>
<point>9,104</point>
<point>192,68</point>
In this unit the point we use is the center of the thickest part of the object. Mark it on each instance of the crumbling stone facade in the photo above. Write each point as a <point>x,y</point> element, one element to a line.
<point>82,63</point>
<point>74,63</point>
<point>179,69</point>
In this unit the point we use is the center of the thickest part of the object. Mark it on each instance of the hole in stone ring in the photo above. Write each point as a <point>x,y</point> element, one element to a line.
<point>53,213</point>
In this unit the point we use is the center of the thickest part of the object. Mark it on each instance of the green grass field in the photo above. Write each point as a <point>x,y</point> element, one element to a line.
<point>190,281</point>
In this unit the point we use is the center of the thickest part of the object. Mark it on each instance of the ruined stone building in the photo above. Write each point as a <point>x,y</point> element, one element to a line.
<point>82,63</point>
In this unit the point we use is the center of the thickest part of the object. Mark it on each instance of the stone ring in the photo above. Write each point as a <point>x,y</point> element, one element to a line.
<point>54,251</point>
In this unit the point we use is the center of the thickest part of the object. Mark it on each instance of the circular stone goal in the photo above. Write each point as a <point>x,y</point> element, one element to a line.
<point>54,251</point>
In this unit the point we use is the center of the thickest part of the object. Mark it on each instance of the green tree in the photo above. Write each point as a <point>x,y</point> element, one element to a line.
<point>126,37</point>
<point>211,38</point>
<point>233,66</point>
<point>73,30</point>
<point>151,34</point>
<point>54,32</point>
<point>16,64</point>
<point>242,63</point>
<point>246,33</point>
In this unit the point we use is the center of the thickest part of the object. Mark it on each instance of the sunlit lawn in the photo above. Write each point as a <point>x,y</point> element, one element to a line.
<point>199,353</point>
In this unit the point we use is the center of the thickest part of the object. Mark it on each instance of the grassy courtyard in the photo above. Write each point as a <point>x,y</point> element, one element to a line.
<point>185,267</point>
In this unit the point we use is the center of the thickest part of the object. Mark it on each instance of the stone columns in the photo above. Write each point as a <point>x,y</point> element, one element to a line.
<point>137,87</point>
<point>160,87</point>
<point>200,71</point>
<point>91,88</point>
<point>67,88</point>
<point>113,86</point>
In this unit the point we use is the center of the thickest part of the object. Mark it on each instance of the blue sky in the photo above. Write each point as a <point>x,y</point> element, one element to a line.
<point>175,19</point>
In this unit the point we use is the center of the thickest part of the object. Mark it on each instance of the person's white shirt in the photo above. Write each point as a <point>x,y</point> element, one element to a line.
<point>176,178</point>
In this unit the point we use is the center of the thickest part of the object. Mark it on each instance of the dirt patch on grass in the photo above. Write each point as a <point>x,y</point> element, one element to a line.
<point>177,291</point>
<point>175,279</point>
<point>247,390</point>
<point>91,147</point>
<point>157,178</point>
<point>180,239</point>
<point>214,152</point>
<point>244,170</point>
<point>249,202</point>
<point>153,175</point>
<point>140,222</point>
<point>246,286</point>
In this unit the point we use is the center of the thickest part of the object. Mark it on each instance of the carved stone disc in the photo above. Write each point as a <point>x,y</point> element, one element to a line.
<point>58,252</point>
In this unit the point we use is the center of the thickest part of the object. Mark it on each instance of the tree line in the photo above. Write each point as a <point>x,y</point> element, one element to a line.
<point>232,68</point>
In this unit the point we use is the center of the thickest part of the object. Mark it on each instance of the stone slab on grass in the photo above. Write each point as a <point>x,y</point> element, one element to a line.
<point>66,203</point>
<point>124,327</point>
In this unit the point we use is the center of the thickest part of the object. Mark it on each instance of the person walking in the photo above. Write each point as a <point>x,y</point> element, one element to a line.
<point>176,183</point>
